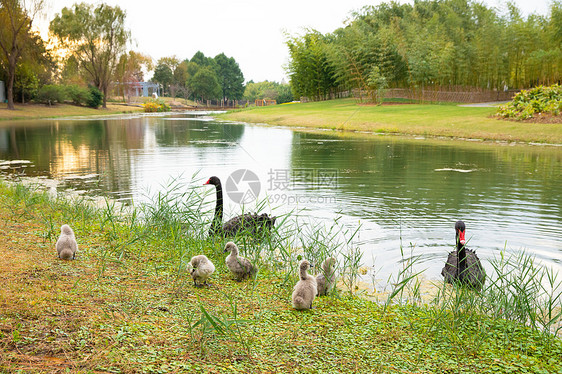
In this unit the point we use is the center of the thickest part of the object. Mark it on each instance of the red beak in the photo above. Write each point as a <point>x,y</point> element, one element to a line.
<point>207,182</point>
<point>461,237</point>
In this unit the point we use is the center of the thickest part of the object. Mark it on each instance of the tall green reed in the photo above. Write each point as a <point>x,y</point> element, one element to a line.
<point>224,325</point>
<point>405,285</point>
<point>518,290</point>
<point>524,291</point>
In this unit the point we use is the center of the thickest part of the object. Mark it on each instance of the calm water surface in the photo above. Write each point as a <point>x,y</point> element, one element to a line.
<point>399,190</point>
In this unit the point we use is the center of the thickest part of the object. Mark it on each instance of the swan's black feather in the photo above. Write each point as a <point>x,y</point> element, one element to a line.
<point>252,224</point>
<point>473,276</point>
<point>468,272</point>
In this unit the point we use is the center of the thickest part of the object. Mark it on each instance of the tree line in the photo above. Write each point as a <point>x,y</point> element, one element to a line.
<point>220,77</point>
<point>432,44</point>
<point>95,40</point>
<point>200,77</point>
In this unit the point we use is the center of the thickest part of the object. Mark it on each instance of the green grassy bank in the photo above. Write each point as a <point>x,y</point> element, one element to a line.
<point>37,111</point>
<point>447,120</point>
<point>127,304</point>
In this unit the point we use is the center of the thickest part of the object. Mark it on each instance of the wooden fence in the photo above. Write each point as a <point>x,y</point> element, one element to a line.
<point>471,96</point>
<point>223,103</point>
<point>451,94</point>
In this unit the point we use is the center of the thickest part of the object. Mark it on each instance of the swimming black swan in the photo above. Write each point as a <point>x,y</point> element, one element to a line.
<point>251,223</point>
<point>463,266</point>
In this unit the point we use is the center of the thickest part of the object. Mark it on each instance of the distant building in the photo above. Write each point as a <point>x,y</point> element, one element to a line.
<point>2,92</point>
<point>145,89</point>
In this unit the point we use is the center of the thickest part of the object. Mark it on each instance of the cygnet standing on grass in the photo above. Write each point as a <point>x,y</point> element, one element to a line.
<point>305,290</point>
<point>66,245</point>
<point>239,266</point>
<point>326,280</point>
<point>201,270</point>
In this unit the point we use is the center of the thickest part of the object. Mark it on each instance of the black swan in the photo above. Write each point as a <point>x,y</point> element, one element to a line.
<point>463,266</point>
<point>251,223</point>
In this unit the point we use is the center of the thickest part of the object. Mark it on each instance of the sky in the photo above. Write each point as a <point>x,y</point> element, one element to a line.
<point>251,31</point>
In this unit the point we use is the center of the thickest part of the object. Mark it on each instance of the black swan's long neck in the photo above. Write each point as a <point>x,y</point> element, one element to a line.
<point>461,258</point>
<point>217,220</point>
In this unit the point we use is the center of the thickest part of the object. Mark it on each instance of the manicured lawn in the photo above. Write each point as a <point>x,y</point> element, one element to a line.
<point>447,120</point>
<point>35,111</point>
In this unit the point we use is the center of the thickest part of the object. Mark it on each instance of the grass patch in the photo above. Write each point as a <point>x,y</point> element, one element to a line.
<point>36,111</point>
<point>447,120</point>
<point>127,303</point>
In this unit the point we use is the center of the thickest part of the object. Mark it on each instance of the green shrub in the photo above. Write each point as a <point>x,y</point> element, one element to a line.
<point>164,107</point>
<point>26,84</point>
<point>537,100</point>
<point>96,98</point>
<point>50,94</point>
<point>78,95</point>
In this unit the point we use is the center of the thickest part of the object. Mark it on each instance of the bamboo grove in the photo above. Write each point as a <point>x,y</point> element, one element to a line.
<point>441,45</point>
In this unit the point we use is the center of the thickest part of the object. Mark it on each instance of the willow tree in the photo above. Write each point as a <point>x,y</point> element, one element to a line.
<point>96,37</point>
<point>16,18</point>
<point>129,70</point>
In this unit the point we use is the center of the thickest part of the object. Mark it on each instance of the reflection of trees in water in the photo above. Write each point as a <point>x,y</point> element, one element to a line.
<point>197,133</point>
<point>120,136</point>
<point>53,146</point>
<point>395,170</point>
<point>60,148</point>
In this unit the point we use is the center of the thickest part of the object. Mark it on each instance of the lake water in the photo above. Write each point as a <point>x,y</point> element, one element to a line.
<point>398,190</point>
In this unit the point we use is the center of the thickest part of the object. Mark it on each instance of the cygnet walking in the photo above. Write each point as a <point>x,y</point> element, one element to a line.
<point>239,266</point>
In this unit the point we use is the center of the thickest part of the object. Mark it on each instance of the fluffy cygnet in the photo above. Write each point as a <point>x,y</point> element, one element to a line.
<point>326,280</point>
<point>201,270</point>
<point>305,290</point>
<point>66,244</point>
<point>239,266</point>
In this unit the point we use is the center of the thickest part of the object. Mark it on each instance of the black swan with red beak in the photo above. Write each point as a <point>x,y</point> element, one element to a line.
<point>251,223</point>
<point>463,266</point>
